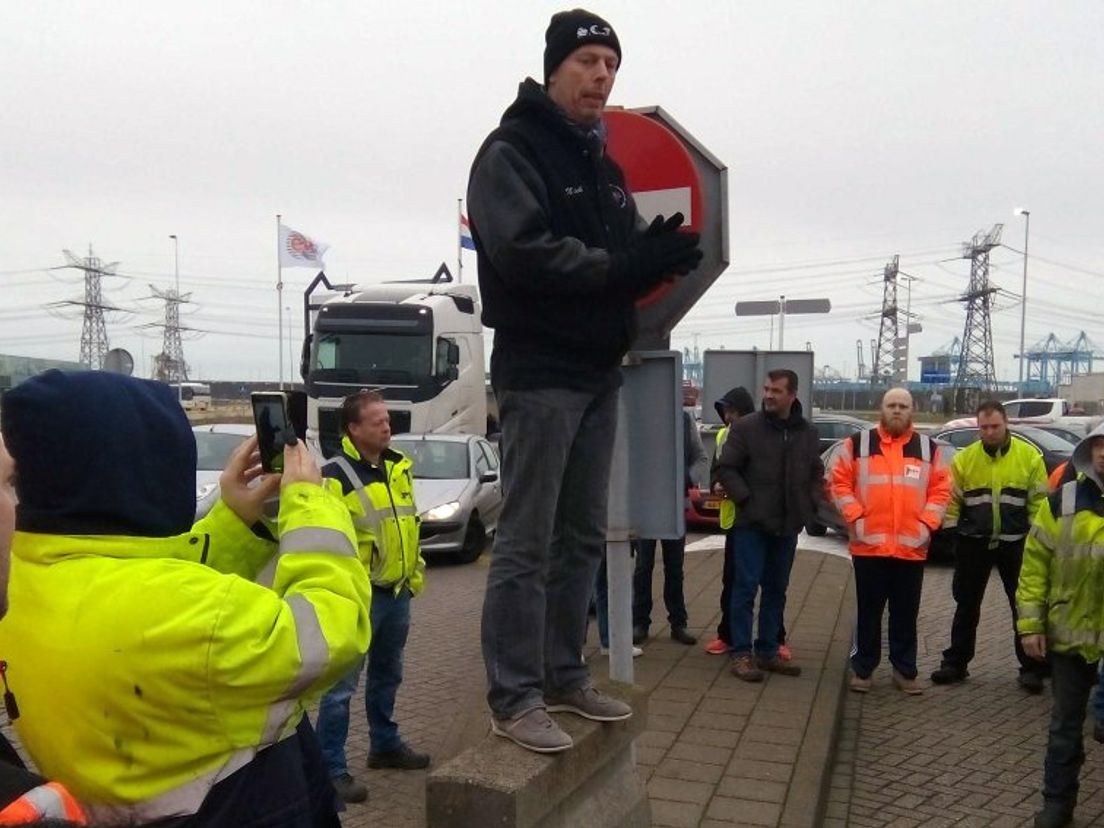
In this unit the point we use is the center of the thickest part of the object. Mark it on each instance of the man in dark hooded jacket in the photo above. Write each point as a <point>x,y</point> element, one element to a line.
<point>562,259</point>
<point>770,468</point>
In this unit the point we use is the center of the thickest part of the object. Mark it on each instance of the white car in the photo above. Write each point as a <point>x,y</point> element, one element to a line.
<point>215,442</point>
<point>457,489</point>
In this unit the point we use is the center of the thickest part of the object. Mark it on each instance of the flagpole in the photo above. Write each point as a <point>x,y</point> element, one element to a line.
<point>459,241</point>
<point>280,301</point>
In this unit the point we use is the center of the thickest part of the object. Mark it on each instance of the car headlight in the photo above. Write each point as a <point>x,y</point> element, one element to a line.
<point>442,512</point>
<point>205,490</point>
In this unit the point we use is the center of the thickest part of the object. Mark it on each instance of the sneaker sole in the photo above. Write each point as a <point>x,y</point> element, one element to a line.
<point>578,711</point>
<point>497,731</point>
<point>384,766</point>
<point>859,688</point>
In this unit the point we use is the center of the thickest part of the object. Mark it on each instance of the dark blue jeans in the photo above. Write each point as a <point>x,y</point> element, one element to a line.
<point>390,616</point>
<point>761,562</point>
<point>878,581</point>
<point>1098,696</point>
<point>724,627</point>
<point>1072,679</point>
<point>673,552</point>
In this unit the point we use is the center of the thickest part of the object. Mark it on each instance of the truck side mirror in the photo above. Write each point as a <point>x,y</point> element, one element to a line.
<point>304,357</point>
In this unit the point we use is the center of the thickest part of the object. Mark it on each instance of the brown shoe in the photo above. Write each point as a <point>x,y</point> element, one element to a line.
<point>858,684</point>
<point>909,686</point>
<point>743,667</point>
<point>777,665</point>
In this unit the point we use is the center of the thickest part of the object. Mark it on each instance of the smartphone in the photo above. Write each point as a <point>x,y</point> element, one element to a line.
<point>271,417</point>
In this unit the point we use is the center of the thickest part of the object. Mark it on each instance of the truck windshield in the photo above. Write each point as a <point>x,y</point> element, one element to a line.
<point>373,357</point>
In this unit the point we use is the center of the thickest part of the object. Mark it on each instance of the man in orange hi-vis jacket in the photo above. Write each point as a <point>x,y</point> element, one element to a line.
<point>892,487</point>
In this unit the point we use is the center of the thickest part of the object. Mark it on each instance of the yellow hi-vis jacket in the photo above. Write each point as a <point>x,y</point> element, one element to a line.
<point>996,495</point>
<point>1061,588</point>
<point>728,508</point>
<point>148,669</point>
<point>381,502</point>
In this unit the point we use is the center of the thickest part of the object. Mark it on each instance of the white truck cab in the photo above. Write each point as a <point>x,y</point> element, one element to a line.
<point>420,344</point>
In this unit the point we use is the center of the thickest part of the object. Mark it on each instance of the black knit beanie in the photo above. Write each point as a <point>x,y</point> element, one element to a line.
<point>568,30</point>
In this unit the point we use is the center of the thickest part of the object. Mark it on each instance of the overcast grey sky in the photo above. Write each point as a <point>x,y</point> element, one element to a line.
<point>852,131</point>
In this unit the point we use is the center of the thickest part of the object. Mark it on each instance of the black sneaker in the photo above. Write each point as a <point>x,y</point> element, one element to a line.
<point>640,635</point>
<point>1030,682</point>
<point>1054,815</point>
<point>349,790</point>
<point>680,635</point>
<point>402,758</point>
<point>949,674</point>
<point>1098,732</point>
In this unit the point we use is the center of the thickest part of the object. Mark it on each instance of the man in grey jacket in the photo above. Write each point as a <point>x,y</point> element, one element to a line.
<point>770,467</point>
<point>562,259</point>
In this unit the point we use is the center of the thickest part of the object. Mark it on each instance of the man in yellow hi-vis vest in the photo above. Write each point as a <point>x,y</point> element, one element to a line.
<point>376,483</point>
<point>731,407</point>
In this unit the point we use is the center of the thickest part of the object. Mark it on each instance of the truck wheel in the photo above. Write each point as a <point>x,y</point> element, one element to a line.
<point>475,538</point>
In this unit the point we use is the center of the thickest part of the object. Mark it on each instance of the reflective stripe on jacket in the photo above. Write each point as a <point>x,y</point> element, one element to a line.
<point>384,515</point>
<point>891,491</point>
<point>996,495</point>
<point>148,669</point>
<point>728,508</point>
<point>1061,587</point>
<point>48,801</point>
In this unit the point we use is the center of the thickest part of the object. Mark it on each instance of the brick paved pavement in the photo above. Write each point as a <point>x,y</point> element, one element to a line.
<point>963,755</point>
<point>717,751</point>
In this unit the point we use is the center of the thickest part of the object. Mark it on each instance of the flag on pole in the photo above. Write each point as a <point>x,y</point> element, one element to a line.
<point>297,250</point>
<point>466,240</point>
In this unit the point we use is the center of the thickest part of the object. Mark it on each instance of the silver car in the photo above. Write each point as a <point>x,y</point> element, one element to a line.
<point>457,490</point>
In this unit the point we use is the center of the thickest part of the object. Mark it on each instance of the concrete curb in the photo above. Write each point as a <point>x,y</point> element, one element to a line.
<point>807,798</point>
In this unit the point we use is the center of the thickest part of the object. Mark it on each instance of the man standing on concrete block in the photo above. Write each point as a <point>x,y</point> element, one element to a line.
<point>999,483</point>
<point>1061,618</point>
<point>562,257</point>
<point>770,469</point>
<point>891,486</point>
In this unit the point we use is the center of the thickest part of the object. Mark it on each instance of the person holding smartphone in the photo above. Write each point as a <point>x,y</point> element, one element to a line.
<point>376,483</point>
<point>162,670</point>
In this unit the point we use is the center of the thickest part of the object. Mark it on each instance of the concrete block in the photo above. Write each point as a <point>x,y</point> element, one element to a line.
<point>497,784</point>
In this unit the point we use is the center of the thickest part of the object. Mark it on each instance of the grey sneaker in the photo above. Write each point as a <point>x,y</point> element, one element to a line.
<point>534,730</point>
<point>349,789</point>
<point>590,703</point>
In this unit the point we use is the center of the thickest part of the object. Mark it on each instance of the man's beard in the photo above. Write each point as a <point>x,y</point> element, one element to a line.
<point>896,429</point>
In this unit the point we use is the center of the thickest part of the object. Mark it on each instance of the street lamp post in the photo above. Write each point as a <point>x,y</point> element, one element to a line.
<point>176,271</point>
<point>1020,211</point>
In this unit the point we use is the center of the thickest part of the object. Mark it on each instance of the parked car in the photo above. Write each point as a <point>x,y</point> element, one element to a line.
<point>834,427</point>
<point>1071,437</point>
<point>703,509</point>
<point>215,442</point>
<point>458,490</point>
<point>942,544</point>
<point>1055,449</point>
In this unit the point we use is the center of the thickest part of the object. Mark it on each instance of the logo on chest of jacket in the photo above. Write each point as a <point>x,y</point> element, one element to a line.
<point>912,472</point>
<point>619,196</point>
<point>573,191</point>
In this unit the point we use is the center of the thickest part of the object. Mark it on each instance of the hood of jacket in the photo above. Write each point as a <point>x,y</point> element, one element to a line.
<point>100,454</point>
<point>737,398</point>
<point>1082,456</point>
<point>532,101</point>
<point>796,419</point>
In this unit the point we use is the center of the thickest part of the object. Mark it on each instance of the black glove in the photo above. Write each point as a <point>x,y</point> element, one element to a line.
<point>661,251</point>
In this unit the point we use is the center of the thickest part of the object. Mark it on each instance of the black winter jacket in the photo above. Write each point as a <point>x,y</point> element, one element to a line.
<point>548,207</point>
<point>771,469</point>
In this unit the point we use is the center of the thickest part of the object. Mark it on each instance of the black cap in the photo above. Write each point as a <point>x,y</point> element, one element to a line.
<point>568,30</point>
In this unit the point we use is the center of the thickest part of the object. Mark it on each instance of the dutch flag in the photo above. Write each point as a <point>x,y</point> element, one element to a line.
<point>466,240</point>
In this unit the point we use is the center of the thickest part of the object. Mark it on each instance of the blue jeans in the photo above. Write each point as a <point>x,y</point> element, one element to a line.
<point>762,561</point>
<point>1072,679</point>
<point>1098,696</point>
<point>390,615</point>
<point>601,603</point>
<point>557,446</point>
